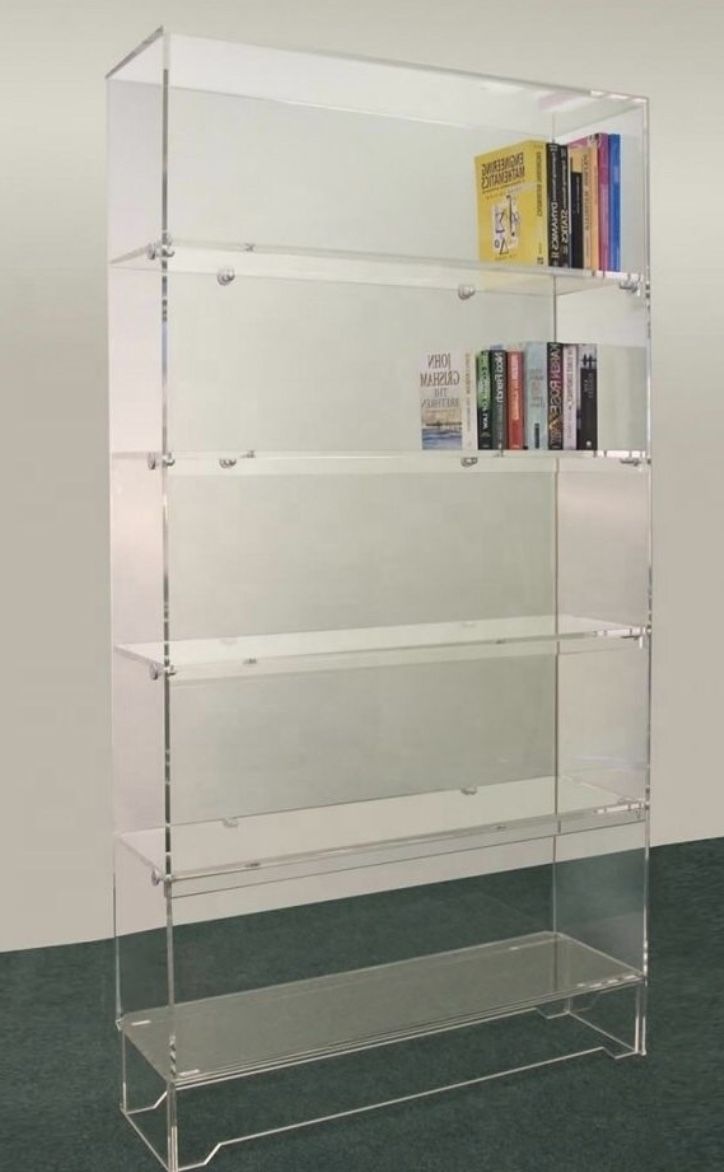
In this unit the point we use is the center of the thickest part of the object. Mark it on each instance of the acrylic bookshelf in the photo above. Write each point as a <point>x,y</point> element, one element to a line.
<point>381,715</point>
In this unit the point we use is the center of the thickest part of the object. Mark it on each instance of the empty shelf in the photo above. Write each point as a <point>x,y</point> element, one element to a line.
<point>282,1025</point>
<point>295,844</point>
<point>253,655</point>
<point>381,463</point>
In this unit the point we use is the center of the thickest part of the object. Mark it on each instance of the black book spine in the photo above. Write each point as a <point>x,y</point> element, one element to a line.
<point>576,218</point>
<point>484,397</point>
<point>565,209</point>
<point>588,434</point>
<point>553,174</point>
<point>555,396</point>
<point>499,379</point>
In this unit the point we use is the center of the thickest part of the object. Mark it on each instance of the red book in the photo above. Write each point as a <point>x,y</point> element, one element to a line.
<point>516,391</point>
<point>604,239</point>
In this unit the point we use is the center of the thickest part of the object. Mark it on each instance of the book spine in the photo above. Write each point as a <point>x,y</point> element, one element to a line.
<point>484,400</point>
<point>554,184</point>
<point>581,161</point>
<point>498,370</point>
<point>541,204</point>
<point>588,433</point>
<point>576,213</point>
<point>516,437</point>
<point>570,397</point>
<point>565,208</point>
<point>604,237</point>
<point>614,196</point>
<point>555,395</point>
<point>593,181</point>
<point>535,399</point>
<point>469,441</point>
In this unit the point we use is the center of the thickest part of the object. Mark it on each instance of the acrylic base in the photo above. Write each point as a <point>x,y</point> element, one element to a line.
<point>321,1049</point>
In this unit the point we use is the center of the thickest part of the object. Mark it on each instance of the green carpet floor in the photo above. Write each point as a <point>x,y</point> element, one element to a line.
<point>58,1055</point>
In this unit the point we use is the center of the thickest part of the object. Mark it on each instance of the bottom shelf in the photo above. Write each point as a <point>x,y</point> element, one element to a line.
<point>282,1025</point>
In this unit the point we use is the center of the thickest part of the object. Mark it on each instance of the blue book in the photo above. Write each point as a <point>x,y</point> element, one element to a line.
<point>535,410</point>
<point>614,201</point>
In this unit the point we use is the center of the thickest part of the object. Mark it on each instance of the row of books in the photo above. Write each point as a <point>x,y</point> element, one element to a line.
<point>549,203</point>
<point>539,395</point>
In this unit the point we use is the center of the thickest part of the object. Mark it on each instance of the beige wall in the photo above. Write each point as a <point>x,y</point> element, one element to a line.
<point>55,819</point>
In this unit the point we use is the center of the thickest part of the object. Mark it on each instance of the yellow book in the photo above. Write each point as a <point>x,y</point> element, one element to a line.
<point>512,197</point>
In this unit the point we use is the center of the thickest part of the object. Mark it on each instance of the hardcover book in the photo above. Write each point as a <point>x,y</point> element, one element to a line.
<point>484,397</point>
<point>516,390</point>
<point>565,209</point>
<point>535,400</point>
<point>588,367</point>
<point>576,215</point>
<point>499,379</point>
<point>604,259</point>
<point>512,201</point>
<point>555,395</point>
<point>614,201</point>
<point>447,404</point>
<point>570,397</point>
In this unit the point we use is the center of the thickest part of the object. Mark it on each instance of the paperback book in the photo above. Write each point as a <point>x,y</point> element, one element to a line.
<point>512,201</point>
<point>447,405</point>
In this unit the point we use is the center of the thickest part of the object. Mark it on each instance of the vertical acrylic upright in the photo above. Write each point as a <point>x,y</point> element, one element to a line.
<point>381,715</point>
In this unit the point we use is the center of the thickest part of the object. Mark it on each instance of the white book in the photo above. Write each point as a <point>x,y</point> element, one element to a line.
<point>448,412</point>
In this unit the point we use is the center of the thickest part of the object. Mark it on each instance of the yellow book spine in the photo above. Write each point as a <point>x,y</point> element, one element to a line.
<point>595,243</point>
<point>579,159</point>
<point>512,203</point>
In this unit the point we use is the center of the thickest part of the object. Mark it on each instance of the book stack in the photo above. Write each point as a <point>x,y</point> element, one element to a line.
<point>533,396</point>
<point>549,203</point>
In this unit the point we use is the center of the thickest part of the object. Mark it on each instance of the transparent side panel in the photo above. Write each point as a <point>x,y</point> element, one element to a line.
<point>137,615</point>
<point>135,336</point>
<point>135,97</point>
<point>603,542</point>
<point>603,724</point>
<point>141,940</point>
<point>600,891</point>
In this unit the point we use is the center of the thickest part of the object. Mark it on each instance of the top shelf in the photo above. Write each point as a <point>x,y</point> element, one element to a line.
<point>386,89</point>
<point>227,261</point>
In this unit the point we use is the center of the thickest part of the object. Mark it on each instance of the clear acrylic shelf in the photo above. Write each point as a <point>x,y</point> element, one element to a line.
<point>254,655</point>
<point>228,261</point>
<point>281,1025</point>
<point>380,463</point>
<point>379,88</point>
<point>264,848</point>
